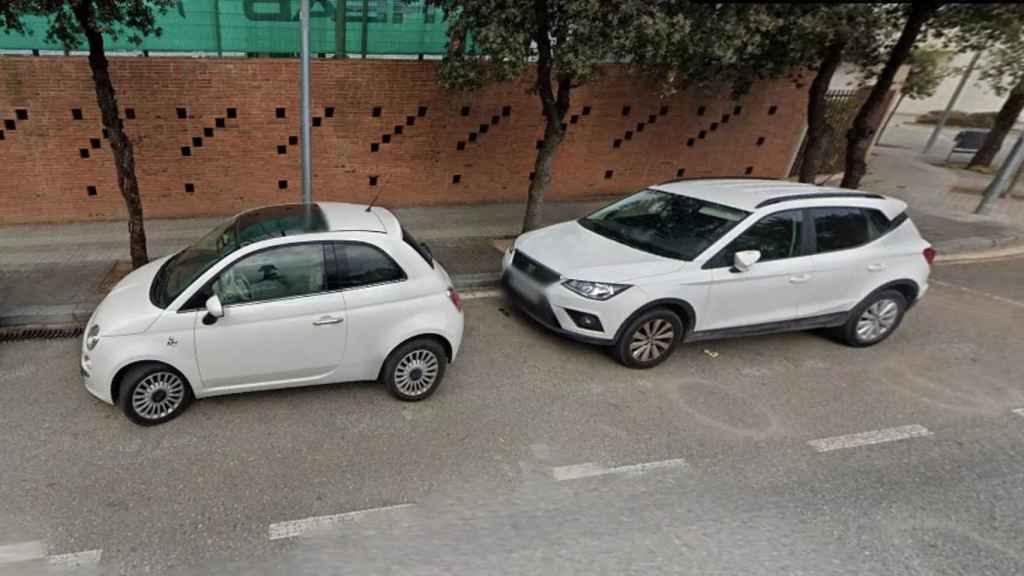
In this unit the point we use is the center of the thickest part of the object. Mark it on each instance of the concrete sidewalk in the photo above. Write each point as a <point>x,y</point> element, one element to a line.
<point>56,274</point>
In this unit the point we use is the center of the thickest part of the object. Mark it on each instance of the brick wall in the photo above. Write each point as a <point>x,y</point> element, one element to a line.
<point>209,139</point>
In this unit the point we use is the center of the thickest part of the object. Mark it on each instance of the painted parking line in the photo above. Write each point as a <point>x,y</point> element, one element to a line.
<point>869,438</point>
<point>22,551</point>
<point>476,294</point>
<point>1018,411</point>
<point>295,528</point>
<point>995,297</point>
<point>37,550</point>
<point>75,559</point>
<point>590,470</point>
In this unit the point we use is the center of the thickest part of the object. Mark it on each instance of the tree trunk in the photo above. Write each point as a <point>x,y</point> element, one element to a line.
<point>555,107</point>
<point>1008,114</point>
<point>120,145</point>
<point>818,131</point>
<point>858,138</point>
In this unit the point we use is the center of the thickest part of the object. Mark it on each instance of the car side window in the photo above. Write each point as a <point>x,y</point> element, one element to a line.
<point>839,228</point>
<point>363,265</point>
<point>776,236</point>
<point>281,272</point>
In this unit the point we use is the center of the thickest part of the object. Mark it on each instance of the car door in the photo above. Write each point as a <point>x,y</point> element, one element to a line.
<point>378,298</point>
<point>844,260</point>
<point>281,324</point>
<point>771,289</point>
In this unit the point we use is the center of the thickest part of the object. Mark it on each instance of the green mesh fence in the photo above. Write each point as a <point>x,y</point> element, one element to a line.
<point>272,27</point>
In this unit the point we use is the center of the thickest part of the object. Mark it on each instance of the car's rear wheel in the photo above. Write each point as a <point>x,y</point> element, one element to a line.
<point>415,369</point>
<point>874,319</point>
<point>153,393</point>
<point>649,339</point>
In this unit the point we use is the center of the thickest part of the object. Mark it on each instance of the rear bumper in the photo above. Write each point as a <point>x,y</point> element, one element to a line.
<point>542,313</point>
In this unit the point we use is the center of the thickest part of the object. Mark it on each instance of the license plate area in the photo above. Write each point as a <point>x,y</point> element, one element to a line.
<point>525,287</point>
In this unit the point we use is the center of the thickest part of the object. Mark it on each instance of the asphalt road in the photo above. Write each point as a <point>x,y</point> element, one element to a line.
<point>542,456</point>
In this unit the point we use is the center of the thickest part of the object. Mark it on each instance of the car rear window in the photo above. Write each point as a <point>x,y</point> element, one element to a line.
<point>419,248</point>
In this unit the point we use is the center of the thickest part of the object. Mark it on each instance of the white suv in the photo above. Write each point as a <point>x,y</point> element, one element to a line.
<point>699,259</point>
<point>281,296</point>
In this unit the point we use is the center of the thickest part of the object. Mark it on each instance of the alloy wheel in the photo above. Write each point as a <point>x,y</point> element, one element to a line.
<point>651,340</point>
<point>877,320</point>
<point>416,372</point>
<point>158,395</point>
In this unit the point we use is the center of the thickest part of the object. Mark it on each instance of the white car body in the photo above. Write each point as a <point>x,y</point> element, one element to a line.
<point>330,336</point>
<point>806,291</point>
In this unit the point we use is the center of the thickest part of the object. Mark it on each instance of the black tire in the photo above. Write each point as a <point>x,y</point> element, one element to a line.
<point>653,320</point>
<point>175,397</point>
<point>849,334</point>
<point>409,380</point>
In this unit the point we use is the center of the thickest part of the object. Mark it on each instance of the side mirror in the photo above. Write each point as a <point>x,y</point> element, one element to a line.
<point>742,261</point>
<point>214,310</point>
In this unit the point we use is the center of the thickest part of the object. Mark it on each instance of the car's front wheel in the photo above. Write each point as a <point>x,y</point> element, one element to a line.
<point>874,319</point>
<point>153,393</point>
<point>649,339</point>
<point>415,369</point>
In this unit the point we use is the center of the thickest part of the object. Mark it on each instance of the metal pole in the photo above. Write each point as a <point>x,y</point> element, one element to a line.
<point>1001,183</point>
<point>339,29</point>
<point>366,25</point>
<point>216,26</point>
<point>307,168</point>
<point>952,102</point>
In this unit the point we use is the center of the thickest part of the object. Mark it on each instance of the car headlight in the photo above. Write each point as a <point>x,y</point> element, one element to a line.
<point>595,290</point>
<point>93,337</point>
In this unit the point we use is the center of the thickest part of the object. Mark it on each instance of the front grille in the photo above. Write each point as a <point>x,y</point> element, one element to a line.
<point>535,270</point>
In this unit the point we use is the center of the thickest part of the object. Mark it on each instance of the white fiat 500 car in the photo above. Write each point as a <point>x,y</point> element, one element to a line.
<point>700,259</point>
<point>276,297</point>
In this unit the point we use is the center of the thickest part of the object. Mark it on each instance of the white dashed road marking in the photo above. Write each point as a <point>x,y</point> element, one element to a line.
<point>978,293</point>
<point>294,528</point>
<point>589,469</point>
<point>475,294</point>
<point>22,551</point>
<point>868,438</point>
<point>75,559</point>
<point>36,550</point>
<point>1018,411</point>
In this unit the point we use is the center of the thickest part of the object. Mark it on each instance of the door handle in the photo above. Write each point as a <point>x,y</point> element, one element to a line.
<point>876,267</point>
<point>799,278</point>
<point>323,320</point>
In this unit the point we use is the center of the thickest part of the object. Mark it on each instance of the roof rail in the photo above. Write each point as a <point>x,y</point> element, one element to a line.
<point>698,178</point>
<point>787,198</point>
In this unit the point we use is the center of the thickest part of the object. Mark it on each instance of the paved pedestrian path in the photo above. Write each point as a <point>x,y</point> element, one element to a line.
<point>57,273</point>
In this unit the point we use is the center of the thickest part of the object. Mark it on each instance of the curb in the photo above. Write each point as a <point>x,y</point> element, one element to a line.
<point>994,252</point>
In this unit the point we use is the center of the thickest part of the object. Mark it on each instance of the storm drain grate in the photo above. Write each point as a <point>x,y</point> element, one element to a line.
<point>39,333</point>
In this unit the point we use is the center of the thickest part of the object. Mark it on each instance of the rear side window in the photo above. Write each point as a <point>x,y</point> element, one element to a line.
<point>361,264</point>
<point>880,223</point>
<point>420,249</point>
<point>840,228</point>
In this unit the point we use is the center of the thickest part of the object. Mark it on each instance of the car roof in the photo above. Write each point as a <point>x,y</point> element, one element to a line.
<point>346,217</point>
<point>751,194</point>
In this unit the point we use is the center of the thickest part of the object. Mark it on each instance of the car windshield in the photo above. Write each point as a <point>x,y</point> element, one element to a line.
<point>663,223</point>
<point>183,268</point>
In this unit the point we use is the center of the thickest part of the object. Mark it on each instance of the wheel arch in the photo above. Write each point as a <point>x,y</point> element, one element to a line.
<point>680,307</point>
<point>905,286</point>
<point>115,382</point>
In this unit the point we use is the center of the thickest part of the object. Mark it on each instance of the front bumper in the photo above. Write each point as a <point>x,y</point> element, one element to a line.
<point>553,318</point>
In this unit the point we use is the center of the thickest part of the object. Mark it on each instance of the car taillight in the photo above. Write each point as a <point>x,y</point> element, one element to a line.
<point>929,254</point>
<point>455,298</point>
